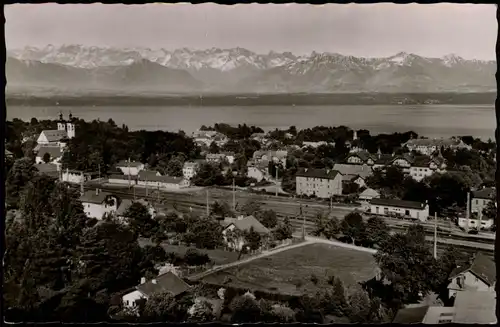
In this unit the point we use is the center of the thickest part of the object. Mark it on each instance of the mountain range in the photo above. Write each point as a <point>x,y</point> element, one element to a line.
<point>76,67</point>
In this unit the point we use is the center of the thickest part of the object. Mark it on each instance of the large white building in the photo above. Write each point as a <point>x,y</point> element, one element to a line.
<point>190,169</point>
<point>323,183</point>
<point>430,146</point>
<point>403,209</point>
<point>425,166</point>
<point>76,176</point>
<point>481,199</point>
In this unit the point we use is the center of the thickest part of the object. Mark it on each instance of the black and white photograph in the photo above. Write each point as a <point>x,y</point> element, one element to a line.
<point>272,163</point>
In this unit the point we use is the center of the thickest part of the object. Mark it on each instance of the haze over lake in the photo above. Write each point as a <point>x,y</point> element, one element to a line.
<point>426,120</point>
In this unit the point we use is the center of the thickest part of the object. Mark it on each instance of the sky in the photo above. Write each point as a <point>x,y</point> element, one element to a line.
<point>362,30</point>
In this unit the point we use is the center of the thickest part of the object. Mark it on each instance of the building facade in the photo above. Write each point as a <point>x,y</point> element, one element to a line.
<point>399,208</point>
<point>189,170</point>
<point>481,199</point>
<point>322,183</point>
<point>130,167</point>
<point>96,203</point>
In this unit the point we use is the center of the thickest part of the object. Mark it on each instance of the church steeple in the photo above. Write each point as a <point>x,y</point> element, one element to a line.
<point>61,124</point>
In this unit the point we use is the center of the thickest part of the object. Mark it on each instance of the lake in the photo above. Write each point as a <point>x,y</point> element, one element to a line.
<point>426,120</point>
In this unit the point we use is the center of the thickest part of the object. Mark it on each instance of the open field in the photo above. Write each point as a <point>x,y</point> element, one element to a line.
<point>275,273</point>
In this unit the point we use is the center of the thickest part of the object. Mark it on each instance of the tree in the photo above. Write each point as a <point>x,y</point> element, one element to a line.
<point>208,175</point>
<point>20,174</point>
<point>376,232</point>
<point>194,258</point>
<point>353,226</point>
<point>221,209</point>
<point>244,310</point>
<point>359,307</point>
<point>332,300</point>
<point>214,148</point>
<point>164,307</point>
<point>410,275</point>
<point>251,207</point>
<point>325,226</point>
<point>490,211</point>
<point>253,239</point>
<point>207,234</point>
<point>268,218</point>
<point>174,167</point>
<point>46,157</point>
<point>139,219</point>
<point>201,311</point>
<point>284,231</point>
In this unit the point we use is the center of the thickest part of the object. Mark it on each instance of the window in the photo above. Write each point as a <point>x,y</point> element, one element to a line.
<point>407,212</point>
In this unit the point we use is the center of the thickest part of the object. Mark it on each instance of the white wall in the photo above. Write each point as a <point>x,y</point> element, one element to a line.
<point>238,244</point>
<point>421,215</point>
<point>474,223</point>
<point>121,181</point>
<point>129,300</point>
<point>478,205</point>
<point>133,171</point>
<point>322,188</point>
<point>254,172</point>
<point>97,211</point>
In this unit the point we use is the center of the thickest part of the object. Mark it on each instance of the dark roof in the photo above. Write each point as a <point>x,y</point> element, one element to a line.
<point>92,197</point>
<point>398,203</point>
<point>124,205</point>
<point>126,177</point>
<point>244,224</point>
<point>348,169</point>
<point>485,193</point>
<point>406,156</point>
<point>54,152</point>
<point>482,266</point>
<point>383,159</point>
<point>167,282</point>
<point>125,163</point>
<point>163,179</point>
<point>363,155</point>
<point>47,169</point>
<point>410,315</point>
<point>54,135</point>
<point>317,173</point>
<point>147,174</point>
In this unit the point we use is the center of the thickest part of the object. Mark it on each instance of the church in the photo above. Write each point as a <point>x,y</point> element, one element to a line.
<point>53,142</point>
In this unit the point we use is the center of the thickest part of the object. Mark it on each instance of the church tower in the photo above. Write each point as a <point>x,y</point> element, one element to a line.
<point>70,127</point>
<point>355,136</point>
<point>61,124</point>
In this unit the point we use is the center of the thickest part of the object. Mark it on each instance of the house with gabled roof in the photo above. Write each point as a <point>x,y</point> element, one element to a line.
<point>360,158</point>
<point>163,182</point>
<point>322,183</point>
<point>369,194</point>
<point>243,225</point>
<point>97,203</point>
<point>363,171</point>
<point>78,176</point>
<point>52,137</point>
<point>478,275</point>
<point>481,198</point>
<point>425,166</point>
<point>165,283</point>
<point>400,208</point>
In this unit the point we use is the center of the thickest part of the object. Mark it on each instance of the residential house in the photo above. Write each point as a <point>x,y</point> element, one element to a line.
<point>362,170</point>
<point>190,169</point>
<point>264,157</point>
<point>429,146</point>
<point>369,194</point>
<point>478,276</point>
<point>470,307</point>
<point>148,174</point>
<point>403,161</point>
<point>405,209</point>
<point>361,158</point>
<point>52,137</point>
<point>424,166</point>
<point>354,179</point>
<point>122,208</point>
<point>98,203</point>
<point>55,154</point>
<point>122,179</point>
<point>323,183</point>
<point>257,173</point>
<point>166,283</point>
<point>130,167</point>
<point>77,177</point>
<point>481,199</point>
<point>242,224</point>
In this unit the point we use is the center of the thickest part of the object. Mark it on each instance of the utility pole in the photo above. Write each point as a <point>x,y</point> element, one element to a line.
<point>303,223</point>
<point>435,235</point>
<point>480,214</point>
<point>208,210</point>
<point>467,214</point>
<point>146,186</point>
<point>276,180</point>
<point>234,197</point>
<point>82,189</point>
<point>128,171</point>
<point>99,168</point>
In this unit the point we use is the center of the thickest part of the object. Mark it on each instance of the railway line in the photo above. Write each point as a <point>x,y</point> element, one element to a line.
<point>197,202</point>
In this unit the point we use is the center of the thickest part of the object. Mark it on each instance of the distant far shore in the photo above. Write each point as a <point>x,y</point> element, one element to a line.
<point>297,99</point>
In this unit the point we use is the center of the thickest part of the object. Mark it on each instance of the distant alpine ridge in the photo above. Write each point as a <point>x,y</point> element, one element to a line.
<point>237,70</point>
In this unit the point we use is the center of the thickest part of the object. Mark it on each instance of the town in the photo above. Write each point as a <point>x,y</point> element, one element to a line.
<point>107,224</point>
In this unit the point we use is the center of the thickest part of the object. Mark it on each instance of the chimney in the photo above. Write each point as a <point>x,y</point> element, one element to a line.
<point>154,281</point>
<point>143,280</point>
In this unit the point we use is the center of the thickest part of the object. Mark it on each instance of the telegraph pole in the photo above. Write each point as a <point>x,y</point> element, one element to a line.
<point>99,168</point>
<point>128,171</point>
<point>276,181</point>
<point>435,235</point>
<point>146,186</point>
<point>467,214</point>
<point>82,189</point>
<point>208,210</point>
<point>234,197</point>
